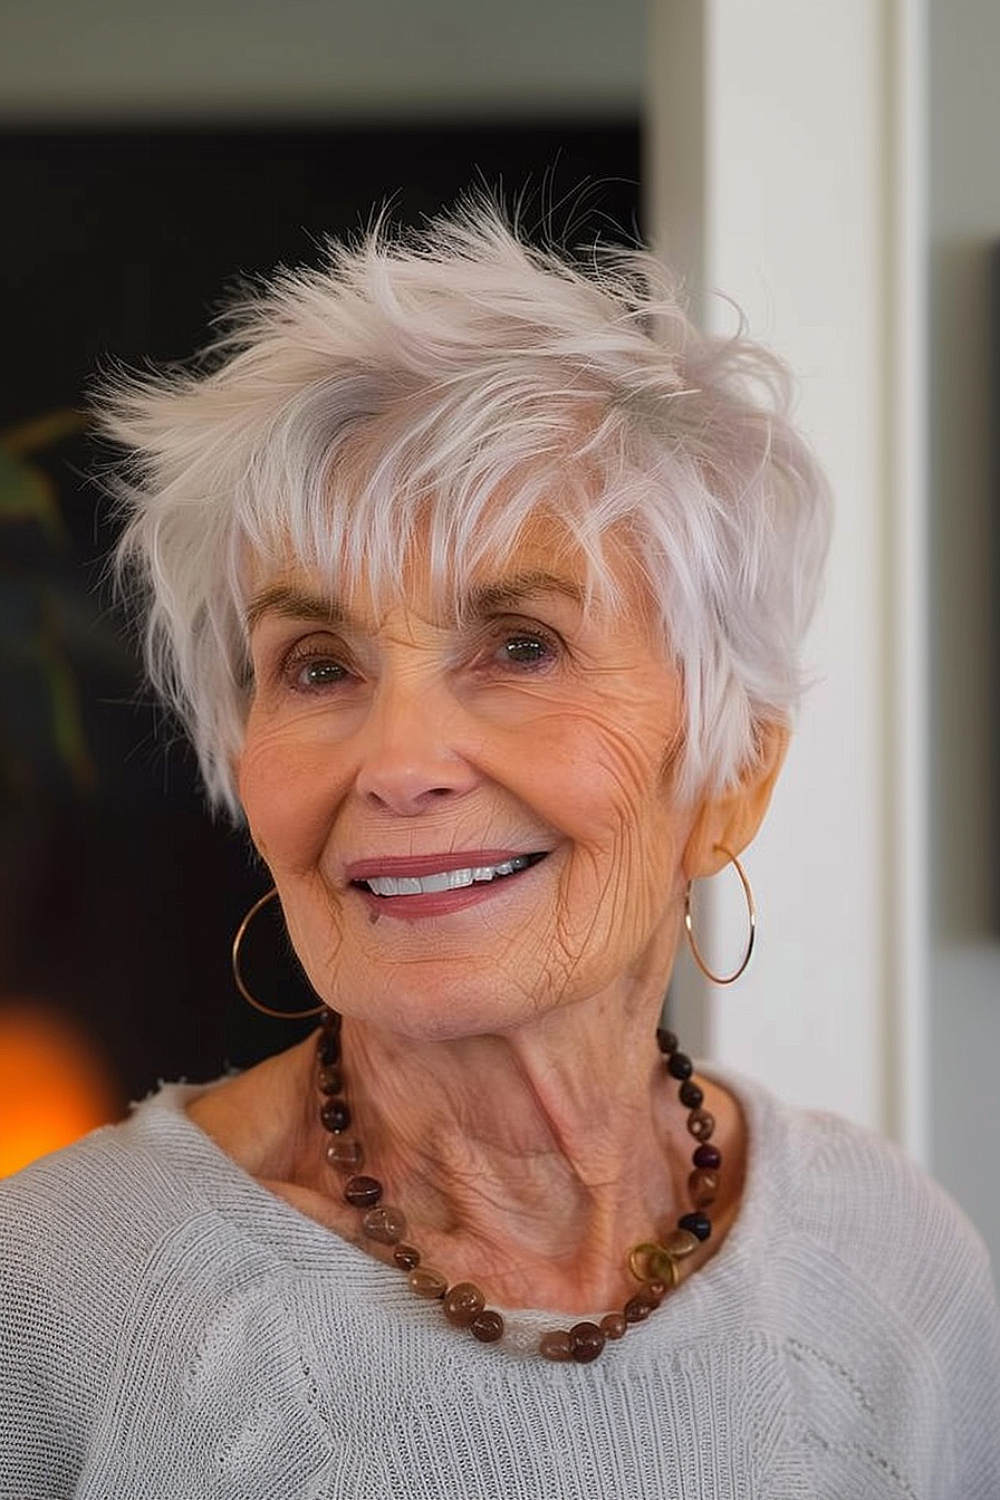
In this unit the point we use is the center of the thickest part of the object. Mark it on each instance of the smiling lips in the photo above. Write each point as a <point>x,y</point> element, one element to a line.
<point>431,875</point>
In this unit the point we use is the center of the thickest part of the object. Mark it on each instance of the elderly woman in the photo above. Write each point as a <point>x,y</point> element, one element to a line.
<point>478,577</point>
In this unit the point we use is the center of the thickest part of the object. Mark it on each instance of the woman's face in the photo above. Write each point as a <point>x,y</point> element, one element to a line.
<point>469,821</point>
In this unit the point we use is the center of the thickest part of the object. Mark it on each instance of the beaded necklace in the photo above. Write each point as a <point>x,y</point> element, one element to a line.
<point>655,1264</point>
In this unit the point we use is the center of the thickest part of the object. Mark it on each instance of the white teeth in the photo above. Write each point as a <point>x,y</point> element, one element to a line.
<point>446,880</point>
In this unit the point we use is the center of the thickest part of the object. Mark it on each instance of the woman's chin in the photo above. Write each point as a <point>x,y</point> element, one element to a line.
<point>437,1014</point>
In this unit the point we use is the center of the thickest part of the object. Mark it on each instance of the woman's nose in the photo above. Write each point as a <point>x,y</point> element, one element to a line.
<point>409,759</point>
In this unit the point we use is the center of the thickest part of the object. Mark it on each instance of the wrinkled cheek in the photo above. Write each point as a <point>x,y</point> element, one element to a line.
<point>285,810</point>
<point>628,874</point>
<point>315,929</point>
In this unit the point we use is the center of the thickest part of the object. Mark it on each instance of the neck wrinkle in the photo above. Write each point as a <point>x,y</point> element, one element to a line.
<point>516,1171</point>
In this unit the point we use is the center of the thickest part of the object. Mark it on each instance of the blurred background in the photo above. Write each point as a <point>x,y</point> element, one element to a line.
<point>832,168</point>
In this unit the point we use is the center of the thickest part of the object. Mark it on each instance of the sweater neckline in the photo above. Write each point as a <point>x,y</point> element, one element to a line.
<point>227,1188</point>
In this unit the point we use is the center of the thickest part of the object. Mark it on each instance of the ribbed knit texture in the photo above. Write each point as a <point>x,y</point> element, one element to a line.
<point>170,1329</point>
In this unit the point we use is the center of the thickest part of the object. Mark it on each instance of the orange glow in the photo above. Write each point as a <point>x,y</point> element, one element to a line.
<point>54,1086</point>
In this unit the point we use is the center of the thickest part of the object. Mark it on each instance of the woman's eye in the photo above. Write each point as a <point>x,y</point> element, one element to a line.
<point>320,674</point>
<point>311,672</point>
<point>526,649</point>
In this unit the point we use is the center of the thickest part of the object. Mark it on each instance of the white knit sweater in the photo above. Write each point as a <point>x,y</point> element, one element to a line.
<point>170,1329</point>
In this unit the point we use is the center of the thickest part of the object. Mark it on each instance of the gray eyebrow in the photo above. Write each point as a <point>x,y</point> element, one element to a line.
<point>292,603</point>
<point>509,591</point>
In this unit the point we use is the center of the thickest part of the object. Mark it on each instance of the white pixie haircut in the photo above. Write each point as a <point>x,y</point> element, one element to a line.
<point>453,383</point>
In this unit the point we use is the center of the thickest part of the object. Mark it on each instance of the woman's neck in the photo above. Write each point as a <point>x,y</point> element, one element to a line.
<point>528,1163</point>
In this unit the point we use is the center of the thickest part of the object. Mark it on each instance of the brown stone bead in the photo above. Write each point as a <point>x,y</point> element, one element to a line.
<point>331,1081</point>
<point>463,1302</point>
<point>701,1124</point>
<point>336,1116</point>
<point>406,1257</point>
<point>613,1325</point>
<point>383,1224</point>
<point>487,1326</point>
<point>691,1095</point>
<point>427,1282</point>
<point>345,1153</point>
<point>703,1187</point>
<point>363,1192</point>
<point>588,1341</point>
<point>557,1346</point>
<point>638,1308</point>
<point>657,1290</point>
<point>680,1066</point>
<point>698,1223</point>
<point>680,1243</point>
<point>328,1047</point>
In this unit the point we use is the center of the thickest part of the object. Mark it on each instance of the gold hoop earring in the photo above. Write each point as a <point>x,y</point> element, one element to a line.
<point>267,1010</point>
<point>751,913</point>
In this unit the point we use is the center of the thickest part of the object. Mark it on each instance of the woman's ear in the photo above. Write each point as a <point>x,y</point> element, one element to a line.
<point>730,819</point>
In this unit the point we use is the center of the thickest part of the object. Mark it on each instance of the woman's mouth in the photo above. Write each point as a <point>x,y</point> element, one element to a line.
<point>448,880</point>
<point>448,887</point>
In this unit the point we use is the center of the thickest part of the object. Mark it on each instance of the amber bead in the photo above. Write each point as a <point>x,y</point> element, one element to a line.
<point>657,1290</point>
<point>383,1224</point>
<point>679,1065</point>
<point>666,1040</point>
<point>703,1188</point>
<point>463,1302</point>
<point>660,1268</point>
<point>487,1326</point>
<point>638,1308</point>
<point>701,1124</point>
<point>588,1341</point>
<point>427,1282</point>
<point>700,1225</point>
<point>680,1243</point>
<point>363,1192</point>
<point>407,1257</point>
<point>335,1116</point>
<point>707,1157</point>
<point>557,1346</point>
<point>331,1081</point>
<point>345,1153</point>
<point>613,1325</point>
<point>691,1095</point>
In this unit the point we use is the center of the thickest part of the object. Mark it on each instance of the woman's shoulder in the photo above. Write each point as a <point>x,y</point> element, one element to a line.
<point>137,1257</point>
<point>857,1210</point>
<point>79,1231</point>
<point>856,1184</point>
<point>99,1202</point>
<point>158,1190</point>
<point>874,1290</point>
